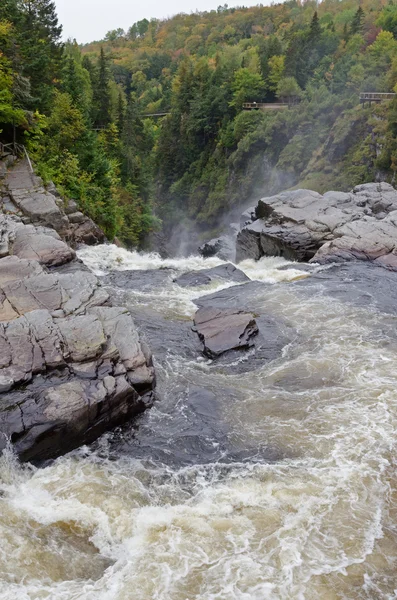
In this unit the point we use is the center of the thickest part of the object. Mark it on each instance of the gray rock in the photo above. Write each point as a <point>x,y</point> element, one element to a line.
<point>70,207</point>
<point>248,217</point>
<point>303,225</point>
<point>47,250</point>
<point>223,247</point>
<point>84,337</point>
<point>77,217</point>
<point>70,367</point>
<point>222,330</point>
<point>227,272</point>
<point>37,205</point>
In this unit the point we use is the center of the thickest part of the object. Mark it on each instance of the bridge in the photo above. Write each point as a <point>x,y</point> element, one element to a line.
<point>162,114</point>
<point>375,97</point>
<point>265,105</point>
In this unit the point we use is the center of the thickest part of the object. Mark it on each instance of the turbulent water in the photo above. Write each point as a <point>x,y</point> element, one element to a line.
<point>240,484</point>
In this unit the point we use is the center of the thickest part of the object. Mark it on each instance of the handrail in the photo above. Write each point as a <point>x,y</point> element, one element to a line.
<point>17,149</point>
<point>375,95</point>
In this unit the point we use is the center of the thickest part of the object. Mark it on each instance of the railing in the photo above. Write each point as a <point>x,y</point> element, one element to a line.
<point>16,150</point>
<point>264,105</point>
<point>376,96</point>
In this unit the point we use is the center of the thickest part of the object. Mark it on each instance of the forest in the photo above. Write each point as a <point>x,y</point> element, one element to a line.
<point>146,127</point>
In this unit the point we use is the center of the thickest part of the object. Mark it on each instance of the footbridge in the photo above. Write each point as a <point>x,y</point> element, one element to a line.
<point>376,97</point>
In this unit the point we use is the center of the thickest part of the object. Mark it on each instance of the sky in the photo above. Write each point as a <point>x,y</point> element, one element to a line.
<point>89,20</point>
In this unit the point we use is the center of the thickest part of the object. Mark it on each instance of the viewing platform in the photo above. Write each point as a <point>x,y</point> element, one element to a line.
<point>376,97</point>
<point>265,105</point>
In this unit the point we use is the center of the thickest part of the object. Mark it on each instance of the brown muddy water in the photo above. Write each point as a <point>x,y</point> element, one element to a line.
<point>270,483</point>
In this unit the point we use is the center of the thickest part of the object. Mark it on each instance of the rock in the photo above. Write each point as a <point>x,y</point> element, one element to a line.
<point>221,330</point>
<point>27,197</point>
<point>193,279</point>
<point>40,207</point>
<point>303,225</point>
<point>248,217</point>
<point>87,232</point>
<point>71,366</point>
<point>223,247</point>
<point>3,169</point>
<point>227,272</point>
<point>47,250</point>
<point>84,337</point>
<point>77,217</point>
<point>70,207</point>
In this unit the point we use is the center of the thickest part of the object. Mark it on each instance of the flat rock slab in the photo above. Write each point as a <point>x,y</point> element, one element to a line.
<point>222,330</point>
<point>43,247</point>
<point>227,272</point>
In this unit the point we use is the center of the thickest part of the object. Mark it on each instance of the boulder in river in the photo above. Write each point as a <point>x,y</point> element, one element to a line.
<point>226,329</point>
<point>304,225</point>
<point>71,364</point>
<point>223,247</point>
<point>227,272</point>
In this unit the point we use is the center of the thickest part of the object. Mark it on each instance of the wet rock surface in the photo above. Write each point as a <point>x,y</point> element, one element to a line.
<point>222,330</point>
<point>303,225</point>
<point>224,247</point>
<point>227,272</point>
<point>72,365</point>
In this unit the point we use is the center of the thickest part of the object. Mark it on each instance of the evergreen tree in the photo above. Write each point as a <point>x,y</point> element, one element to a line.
<point>357,23</point>
<point>120,113</point>
<point>40,48</point>
<point>102,93</point>
<point>315,28</point>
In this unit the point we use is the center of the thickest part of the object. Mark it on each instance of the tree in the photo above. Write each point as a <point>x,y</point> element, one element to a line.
<point>288,89</point>
<point>102,93</point>
<point>357,23</point>
<point>114,35</point>
<point>388,19</point>
<point>246,86</point>
<point>10,111</point>
<point>40,47</point>
<point>276,71</point>
<point>315,28</point>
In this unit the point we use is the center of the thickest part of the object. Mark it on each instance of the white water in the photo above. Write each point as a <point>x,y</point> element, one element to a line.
<point>319,523</point>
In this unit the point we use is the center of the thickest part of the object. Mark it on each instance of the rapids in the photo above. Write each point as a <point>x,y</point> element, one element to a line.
<point>270,483</point>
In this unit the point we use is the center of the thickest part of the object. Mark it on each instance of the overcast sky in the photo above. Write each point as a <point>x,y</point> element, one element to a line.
<point>88,20</point>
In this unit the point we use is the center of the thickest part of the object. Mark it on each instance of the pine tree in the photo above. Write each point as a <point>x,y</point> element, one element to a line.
<point>40,48</point>
<point>102,93</point>
<point>120,113</point>
<point>315,27</point>
<point>357,23</point>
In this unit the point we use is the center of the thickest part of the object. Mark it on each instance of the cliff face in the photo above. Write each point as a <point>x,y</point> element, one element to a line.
<point>336,227</point>
<point>72,365</point>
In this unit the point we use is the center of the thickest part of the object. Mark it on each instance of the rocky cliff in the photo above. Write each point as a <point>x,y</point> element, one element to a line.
<point>306,226</point>
<point>72,365</point>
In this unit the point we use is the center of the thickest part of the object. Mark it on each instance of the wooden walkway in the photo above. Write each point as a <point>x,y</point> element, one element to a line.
<point>265,105</point>
<point>375,97</point>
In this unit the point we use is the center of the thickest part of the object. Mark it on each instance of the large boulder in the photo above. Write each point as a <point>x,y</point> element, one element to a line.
<point>225,329</point>
<point>304,225</point>
<point>71,365</point>
<point>223,247</point>
<point>227,272</point>
<point>32,244</point>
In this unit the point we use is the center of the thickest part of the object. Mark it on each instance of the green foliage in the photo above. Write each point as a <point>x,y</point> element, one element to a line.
<point>85,115</point>
<point>388,19</point>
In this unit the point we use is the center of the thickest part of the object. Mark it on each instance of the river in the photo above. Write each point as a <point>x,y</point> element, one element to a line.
<point>249,479</point>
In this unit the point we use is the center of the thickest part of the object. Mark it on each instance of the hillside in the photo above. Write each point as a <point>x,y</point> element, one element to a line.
<point>207,155</point>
